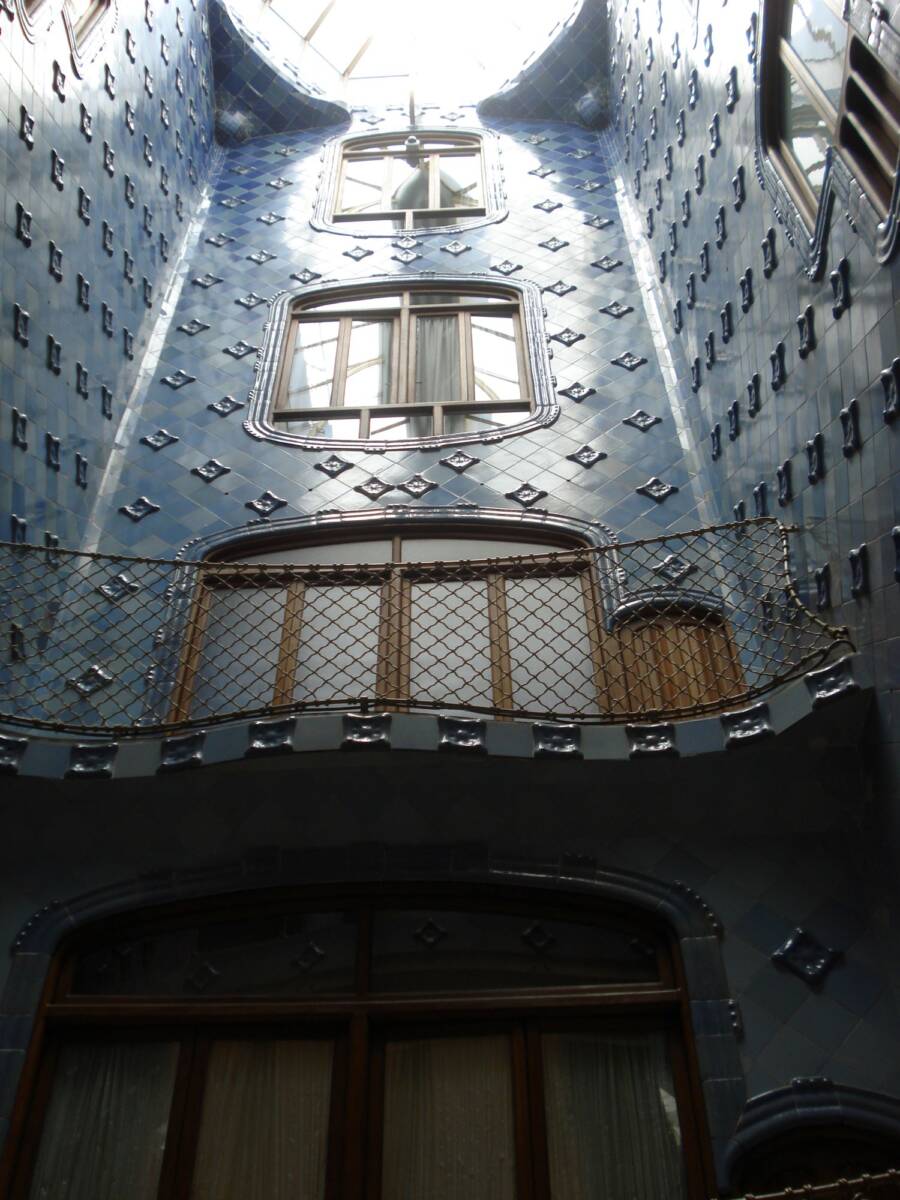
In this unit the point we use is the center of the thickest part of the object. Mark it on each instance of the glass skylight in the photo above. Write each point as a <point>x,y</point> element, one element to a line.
<point>376,51</point>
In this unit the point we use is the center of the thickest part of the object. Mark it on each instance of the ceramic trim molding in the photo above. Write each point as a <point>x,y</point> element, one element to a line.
<point>546,407</point>
<point>332,156</point>
<point>868,19</point>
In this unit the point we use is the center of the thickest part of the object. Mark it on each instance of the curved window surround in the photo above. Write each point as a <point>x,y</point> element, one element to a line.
<point>394,364</point>
<point>414,181</point>
<point>828,121</point>
<point>405,1041</point>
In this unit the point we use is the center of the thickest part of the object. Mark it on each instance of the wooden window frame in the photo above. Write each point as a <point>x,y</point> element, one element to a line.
<point>844,127</point>
<point>359,1024</point>
<point>403,352</point>
<point>388,149</point>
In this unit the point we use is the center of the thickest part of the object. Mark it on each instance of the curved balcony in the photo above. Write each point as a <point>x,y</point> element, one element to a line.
<point>653,630</point>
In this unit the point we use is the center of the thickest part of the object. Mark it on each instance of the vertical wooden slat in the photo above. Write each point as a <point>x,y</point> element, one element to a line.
<point>595,640</point>
<point>498,626</point>
<point>286,673</point>
<point>466,359</point>
<point>526,1120</point>
<point>191,651</point>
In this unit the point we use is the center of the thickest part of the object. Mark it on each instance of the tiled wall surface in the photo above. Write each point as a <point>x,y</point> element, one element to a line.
<point>100,177</point>
<point>799,849</point>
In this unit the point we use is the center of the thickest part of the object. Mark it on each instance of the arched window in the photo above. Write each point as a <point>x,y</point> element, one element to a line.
<point>475,619</point>
<point>387,1044</point>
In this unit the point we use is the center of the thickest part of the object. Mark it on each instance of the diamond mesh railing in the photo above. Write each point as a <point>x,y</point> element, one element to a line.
<point>662,628</point>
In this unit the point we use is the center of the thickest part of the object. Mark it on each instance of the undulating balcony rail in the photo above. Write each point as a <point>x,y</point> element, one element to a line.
<point>885,1185</point>
<point>657,629</point>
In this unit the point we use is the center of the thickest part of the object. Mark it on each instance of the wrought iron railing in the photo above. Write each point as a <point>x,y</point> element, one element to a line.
<point>885,1185</point>
<point>656,629</point>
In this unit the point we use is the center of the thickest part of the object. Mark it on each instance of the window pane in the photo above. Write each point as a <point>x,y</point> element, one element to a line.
<point>453,549</point>
<point>236,668</point>
<point>323,427</point>
<point>451,298</point>
<point>437,360</point>
<point>363,186</point>
<point>356,303</point>
<point>612,1121</point>
<point>409,183</point>
<point>105,1130</point>
<point>264,1129</point>
<point>549,647</point>
<point>338,654</point>
<point>805,133</point>
<point>428,950</point>
<point>450,643</point>
<point>448,1121</point>
<point>461,181</point>
<point>396,428</point>
<point>312,368</point>
<point>819,37</point>
<point>369,363</point>
<point>496,359</point>
<point>460,420</point>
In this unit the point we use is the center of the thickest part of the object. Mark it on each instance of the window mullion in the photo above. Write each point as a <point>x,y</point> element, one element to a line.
<point>498,624</point>
<point>817,98</point>
<point>387,180</point>
<point>532,1119</point>
<point>521,358</point>
<point>289,649</point>
<point>466,363</point>
<point>355,1165</point>
<point>434,181</point>
<point>342,357</point>
<point>406,380</point>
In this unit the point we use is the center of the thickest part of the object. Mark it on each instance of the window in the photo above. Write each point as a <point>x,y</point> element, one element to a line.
<point>84,14</point>
<point>826,88</point>
<point>456,623</point>
<point>414,363</point>
<point>402,1044</point>
<point>412,181</point>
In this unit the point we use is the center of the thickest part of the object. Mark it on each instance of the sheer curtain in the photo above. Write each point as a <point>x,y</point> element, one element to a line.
<point>612,1124</point>
<point>105,1130</point>
<point>448,1121</point>
<point>437,360</point>
<point>264,1129</point>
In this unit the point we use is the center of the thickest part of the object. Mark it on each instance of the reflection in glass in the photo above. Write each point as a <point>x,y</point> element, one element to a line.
<point>312,369</point>
<point>403,425</point>
<point>105,1130</point>
<point>264,1129</point>
<point>409,183</point>
<point>460,421</point>
<point>357,304</point>
<point>461,181</point>
<point>805,133</point>
<point>448,1120</point>
<point>618,1087</point>
<point>369,364</point>
<point>323,427</point>
<point>437,360</point>
<point>819,38</point>
<point>363,185</point>
<point>496,358</point>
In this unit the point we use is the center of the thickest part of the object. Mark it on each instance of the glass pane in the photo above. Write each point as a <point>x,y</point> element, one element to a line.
<point>357,303</point>
<point>453,549</point>
<point>496,359</point>
<point>461,181</point>
<point>105,1130</point>
<point>450,643</point>
<point>239,657</point>
<point>428,950</point>
<point>369,363</point>
<point>323,427</point>
<point>612,1121</point>
<point>460,420</point>
<point>377,550</point>
<point>437,360</point>
<point>448,1120</point>
<point>363,186</point>
<point>819,37</point>
<point>549,646</point>
<point>338,655</point>
<point>806,134</point>
<point>272,954</point>
<point>396,428</point>
<point>312,368</point>
<point>418,298</point>
<point>264,1129</point>
<point>409,183</point>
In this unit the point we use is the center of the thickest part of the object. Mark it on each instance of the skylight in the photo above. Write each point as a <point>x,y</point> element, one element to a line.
<point>376,51</point>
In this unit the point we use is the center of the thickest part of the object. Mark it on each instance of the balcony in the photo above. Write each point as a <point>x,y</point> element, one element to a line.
<point>647,631</point>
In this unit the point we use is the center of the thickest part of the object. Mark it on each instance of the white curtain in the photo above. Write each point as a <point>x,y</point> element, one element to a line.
<point>612,1124</point>
<point>437,360</point>
<point>105,1130</point>
<point>448,1121</point>
<point>264,1129</point>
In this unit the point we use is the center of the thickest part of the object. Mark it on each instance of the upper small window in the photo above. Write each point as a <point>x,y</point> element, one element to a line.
<point>825,88</point>
<point>416,180</point>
